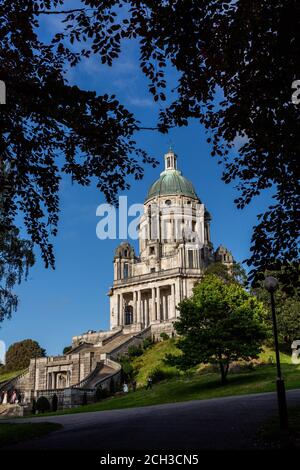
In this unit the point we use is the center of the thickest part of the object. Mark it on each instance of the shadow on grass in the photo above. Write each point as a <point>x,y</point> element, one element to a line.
<point>12,433</point>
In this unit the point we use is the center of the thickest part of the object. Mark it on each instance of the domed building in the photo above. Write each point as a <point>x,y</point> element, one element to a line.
<point>175,248</point>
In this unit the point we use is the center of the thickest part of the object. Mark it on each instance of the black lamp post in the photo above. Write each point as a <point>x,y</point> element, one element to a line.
<point>271,285</point>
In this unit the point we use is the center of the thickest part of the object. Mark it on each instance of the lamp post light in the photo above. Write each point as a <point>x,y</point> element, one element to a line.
<point>271,285</point>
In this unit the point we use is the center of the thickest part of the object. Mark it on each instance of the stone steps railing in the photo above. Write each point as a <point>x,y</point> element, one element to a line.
<point>133,339</point>
<point>84,381</point>
<point>113,365</point>
<point>12,383</point>
<point>112,337</point>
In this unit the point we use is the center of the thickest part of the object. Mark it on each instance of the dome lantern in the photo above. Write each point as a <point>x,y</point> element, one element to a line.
<point>171,181</point>
<point>170,160</point>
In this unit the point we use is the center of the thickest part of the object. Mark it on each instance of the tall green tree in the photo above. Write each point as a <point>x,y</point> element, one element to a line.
<point>19,354</point>
<point>236,272</point>
<point>16,256</point>
<point>287,307</point>
<point>219,324</point>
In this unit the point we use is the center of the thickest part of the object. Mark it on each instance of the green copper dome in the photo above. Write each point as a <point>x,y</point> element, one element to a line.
<point>171,182</point>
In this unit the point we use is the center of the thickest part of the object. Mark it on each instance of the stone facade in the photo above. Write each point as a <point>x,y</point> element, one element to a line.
<point>175,248</point>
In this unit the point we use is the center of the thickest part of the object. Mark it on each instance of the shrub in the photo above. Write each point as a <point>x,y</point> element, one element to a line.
<point>164,336</point>
<point>147,343</point>
<point>54,403</point>
<point>112,387</point>
<point>84,399</point>
<point>101,393</point>
<point>135,351</point>
<point>33,409</point>
<point>127,369</point>
<point>67,349</point>
<point>161,374</point>
<point>42,404</point>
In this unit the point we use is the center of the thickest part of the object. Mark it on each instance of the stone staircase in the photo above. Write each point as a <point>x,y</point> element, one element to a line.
<point>115,343</point>
<point>18,382</point>
<point>11,410</point>
<point>104,372</point>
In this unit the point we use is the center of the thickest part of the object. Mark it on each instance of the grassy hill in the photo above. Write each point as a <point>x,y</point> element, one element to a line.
<point>152,360</point>
<point>202,383</point>
<point>198,387</point>
<point>4,376</point>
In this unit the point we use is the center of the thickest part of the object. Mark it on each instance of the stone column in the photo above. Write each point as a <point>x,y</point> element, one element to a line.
<point>122,322</point>
<point>163,306</point>
<point>158,309</point>
<point>134,307</point>
<point>153,305</point>
<point>143,312</point>
<point>173,301</point>
<point>146,311</point>
<point>118,310</point>
<point>138,310</point>
<point>166,313</point>
<point>177,296</point>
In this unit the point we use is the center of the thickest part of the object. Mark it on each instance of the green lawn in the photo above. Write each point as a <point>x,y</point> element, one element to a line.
<point>198,387</point>
<point>13,433</point>
<point>9,375</point>
<point>202,383</point>
<point>153,358</point>
<point>271,436</point>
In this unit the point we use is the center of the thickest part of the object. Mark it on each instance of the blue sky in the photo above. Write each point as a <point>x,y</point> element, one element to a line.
<point>56,305</point>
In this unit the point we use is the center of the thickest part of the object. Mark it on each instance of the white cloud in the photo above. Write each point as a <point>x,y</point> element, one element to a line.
<point>141,102</point>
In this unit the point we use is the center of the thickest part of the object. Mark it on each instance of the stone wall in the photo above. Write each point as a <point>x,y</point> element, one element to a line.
<point>157,329</point>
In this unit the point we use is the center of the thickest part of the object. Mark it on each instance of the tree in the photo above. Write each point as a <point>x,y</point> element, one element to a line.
<point>19,354</point>
<point>42,404</point>
<point>16,257</point>
<point>54,402</point>
<point>219,324</point>
<point>236,62</point>
<point>50,128</point>
<point>287,310</point>
<point>127,368</point>
<point>67,349</point>
<point>235,273</point>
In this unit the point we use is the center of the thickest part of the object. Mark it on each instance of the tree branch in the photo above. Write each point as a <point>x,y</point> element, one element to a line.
<point>61,12</point>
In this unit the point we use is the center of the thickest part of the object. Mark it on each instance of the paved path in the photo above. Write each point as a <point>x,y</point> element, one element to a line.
<point>221,423</point>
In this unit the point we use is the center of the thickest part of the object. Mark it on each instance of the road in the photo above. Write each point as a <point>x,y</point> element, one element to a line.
<point>222,423</point>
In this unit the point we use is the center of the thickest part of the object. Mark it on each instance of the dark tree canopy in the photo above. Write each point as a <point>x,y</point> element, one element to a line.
<point>19,354</point>
<point>236,62</point>
<point>219,324</point>
<point>16,257</point>
<point>49,128</point>
<point>235,273</point>
<point>287,310</point>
